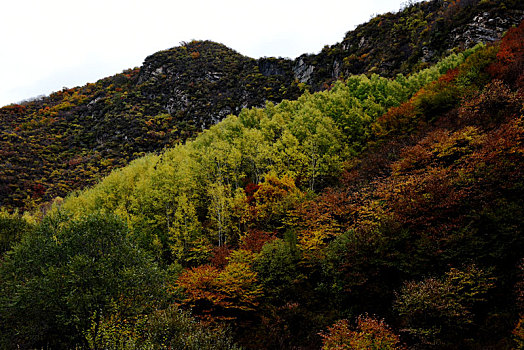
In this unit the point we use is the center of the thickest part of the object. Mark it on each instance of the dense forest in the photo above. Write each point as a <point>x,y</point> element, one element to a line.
<point>383,212</point>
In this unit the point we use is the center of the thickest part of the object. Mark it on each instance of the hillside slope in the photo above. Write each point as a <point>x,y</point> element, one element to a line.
<point>72,138</point>
<point>410,39</point>
<point>63,142</point>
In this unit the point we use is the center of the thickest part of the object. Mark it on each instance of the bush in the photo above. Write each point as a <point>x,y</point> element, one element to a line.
<point>170,328</point>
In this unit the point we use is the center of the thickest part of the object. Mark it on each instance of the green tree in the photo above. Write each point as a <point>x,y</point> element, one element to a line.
<point>170,328</point>
<point>12,228</point>
<point>220,211</point>
<point>278,272</point>
<point>56,279</point>
<point>184,231</point>
<point>441,311</point>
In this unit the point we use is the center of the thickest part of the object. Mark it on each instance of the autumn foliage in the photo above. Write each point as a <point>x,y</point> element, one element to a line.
<point>221,293</point>
<point>510,58</point>
<point>401,198</point>
<point>369,333</point>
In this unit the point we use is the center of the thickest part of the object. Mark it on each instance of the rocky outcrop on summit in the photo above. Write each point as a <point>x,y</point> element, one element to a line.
<point>485,27</point>
<point>303,71</point>
<point>203,82</point>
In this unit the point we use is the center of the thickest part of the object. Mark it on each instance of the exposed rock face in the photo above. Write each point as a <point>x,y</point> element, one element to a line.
<point>427,54</point>
<point>389,44</point>
<point>484,27</point>
<point>303,71</point>
<point>270,66</point>
<point>204,82</point>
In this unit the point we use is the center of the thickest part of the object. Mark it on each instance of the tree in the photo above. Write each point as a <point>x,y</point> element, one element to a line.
<point>369,333</point>
<point>170,328</point>
<point>221,294</point>
<point>56,279</point>
<point>274,198</point>
<point>219,211</point>
<point>278,272</point>
<point>441,311</point>
<point>184,231</point>
<point>12,229</point>
<point>510,57</point>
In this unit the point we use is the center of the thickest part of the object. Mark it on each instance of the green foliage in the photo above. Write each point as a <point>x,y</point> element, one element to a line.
<point>185,231</point>
<point>440,311</point>
<point>277,269</point>
<point>405,42</point>
<point>66,271</point>
<point>12,228</point>
<point>74,137</point>
<point>438,97</point>
<point>170,328</point>
<point>284,219</point>
<point>194,191</point>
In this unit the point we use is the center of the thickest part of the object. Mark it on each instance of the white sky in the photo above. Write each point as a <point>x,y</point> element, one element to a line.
<point>49,44</point>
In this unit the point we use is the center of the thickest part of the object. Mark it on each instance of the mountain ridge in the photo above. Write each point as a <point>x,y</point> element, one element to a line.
<point>63,142</point>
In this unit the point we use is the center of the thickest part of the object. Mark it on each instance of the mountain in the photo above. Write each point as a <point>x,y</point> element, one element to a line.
<point>63,142</point>
<point>410,39</point>
<point>382,212</point>
<point>70,139</point>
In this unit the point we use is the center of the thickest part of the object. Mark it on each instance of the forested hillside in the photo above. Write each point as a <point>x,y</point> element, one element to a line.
<point>412,38</point>
<point>381,213</point>
<point>74,137</point>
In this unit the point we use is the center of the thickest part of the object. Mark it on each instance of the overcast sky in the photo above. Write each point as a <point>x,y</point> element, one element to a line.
<point>50,44</point>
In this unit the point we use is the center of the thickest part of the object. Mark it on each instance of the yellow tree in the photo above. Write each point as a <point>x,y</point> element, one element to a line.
<point>221,294</point>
